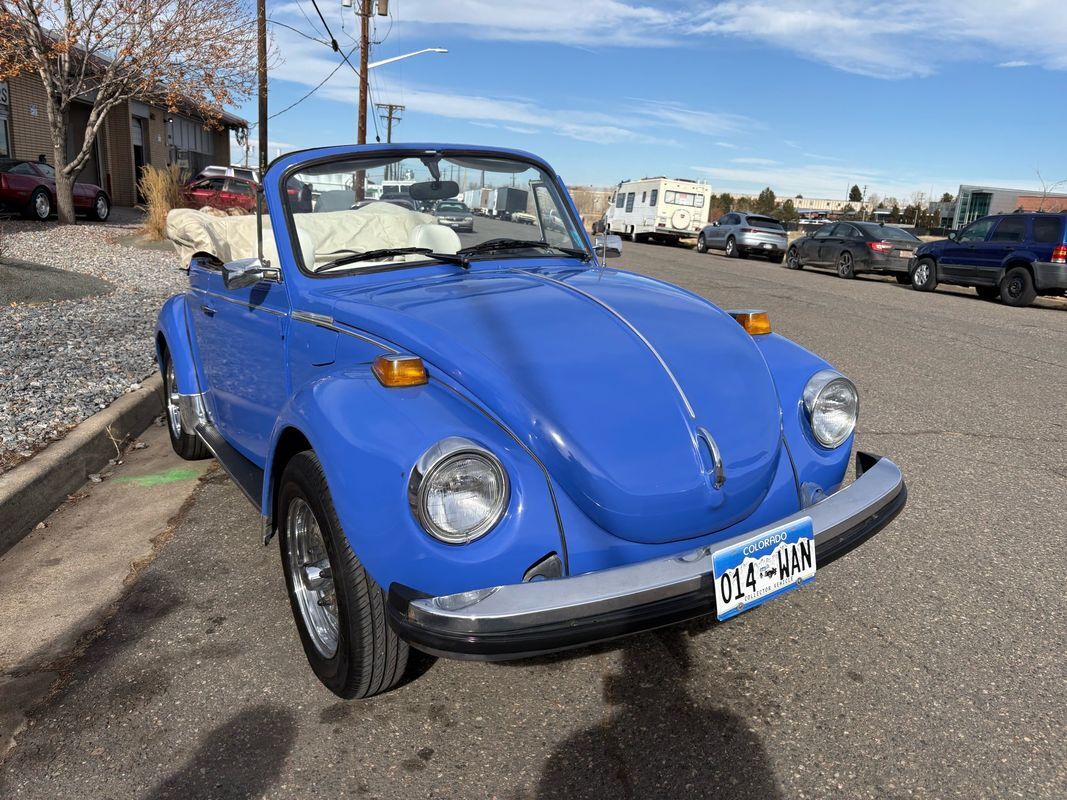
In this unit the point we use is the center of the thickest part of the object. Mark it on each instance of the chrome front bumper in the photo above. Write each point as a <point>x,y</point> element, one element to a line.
<point>525,619</point>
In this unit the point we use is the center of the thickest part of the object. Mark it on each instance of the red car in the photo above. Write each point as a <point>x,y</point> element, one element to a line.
<point>29,187</point>
<point>220,192</point>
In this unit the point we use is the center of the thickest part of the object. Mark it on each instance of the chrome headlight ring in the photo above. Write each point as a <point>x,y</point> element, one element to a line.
<point>454,465</point>
<point>831,403</point>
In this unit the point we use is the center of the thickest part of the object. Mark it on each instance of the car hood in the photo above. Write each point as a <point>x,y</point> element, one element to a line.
<point>608,377</point>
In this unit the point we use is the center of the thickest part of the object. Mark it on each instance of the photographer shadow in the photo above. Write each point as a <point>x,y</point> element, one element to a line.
<point>660,741</point>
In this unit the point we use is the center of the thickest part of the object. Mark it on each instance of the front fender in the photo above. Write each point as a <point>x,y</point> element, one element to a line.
<point>368,438</point>
<point>792,366</point>
<point>172,331</point>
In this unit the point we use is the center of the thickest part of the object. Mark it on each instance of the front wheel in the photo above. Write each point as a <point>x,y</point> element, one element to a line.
<point>846,266</point>
<point>1017,287</point>
<point>101,208</point>
<point>40,205</point>
<point>924,275</point>
<point>792,259</point>
<point>702,245</point>
<point>339,610</point>
<point>731,248</point>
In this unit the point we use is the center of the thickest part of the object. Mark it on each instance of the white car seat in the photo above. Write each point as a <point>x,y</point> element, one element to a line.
<point>437,237</point>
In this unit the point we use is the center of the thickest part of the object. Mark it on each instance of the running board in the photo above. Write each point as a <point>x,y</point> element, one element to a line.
<point>247,476</point>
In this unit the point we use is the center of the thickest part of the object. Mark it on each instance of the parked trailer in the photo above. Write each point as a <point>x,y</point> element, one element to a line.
<point>506,200</point>
<point>667,208</point>
<point>477,200</point>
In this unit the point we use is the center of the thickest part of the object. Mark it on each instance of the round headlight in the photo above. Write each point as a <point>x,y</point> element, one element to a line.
<point>458,491</point>
<point>832,404</point>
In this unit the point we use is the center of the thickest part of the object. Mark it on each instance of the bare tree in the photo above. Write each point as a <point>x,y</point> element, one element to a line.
<point>1047,189</point>
<point>191,55</point>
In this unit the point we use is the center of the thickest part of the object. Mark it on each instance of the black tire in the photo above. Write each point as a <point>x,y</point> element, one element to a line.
<point>1017,287</point>
<point>988,292</point>
<point>702,245</point>
<point>846,265</point>
<point>924,275</point>
<point>370,658</point>
<point>792,259</point>
<point>731,248</point>
<point>903,278</point>
<point>777,258</point>
<point>40,205</point>
<point>101,209</point>
<point>185,443</point>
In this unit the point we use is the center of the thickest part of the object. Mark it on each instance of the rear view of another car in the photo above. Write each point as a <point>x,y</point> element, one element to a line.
<point>740,235</point>
<point>455,214</point>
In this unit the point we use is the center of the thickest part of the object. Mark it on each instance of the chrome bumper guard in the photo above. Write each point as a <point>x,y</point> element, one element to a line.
<point>525,619</point>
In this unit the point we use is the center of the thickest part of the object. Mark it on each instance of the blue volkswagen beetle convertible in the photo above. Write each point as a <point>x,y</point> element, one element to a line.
<point>490,445</point>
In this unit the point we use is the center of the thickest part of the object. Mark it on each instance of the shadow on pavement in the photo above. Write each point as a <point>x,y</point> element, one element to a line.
<point>660,740</point>
<point>220,767</point>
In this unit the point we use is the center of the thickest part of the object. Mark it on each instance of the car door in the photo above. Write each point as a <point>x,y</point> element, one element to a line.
<point>240,336</point>
<point>957,261</point>
<point>821,243</point>
<point>719,232</point>
<point>844,237</point>
<point>808,246</point>
<point>989,256</point>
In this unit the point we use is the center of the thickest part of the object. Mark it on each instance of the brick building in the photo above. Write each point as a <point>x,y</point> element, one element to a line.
<point>133,134</point>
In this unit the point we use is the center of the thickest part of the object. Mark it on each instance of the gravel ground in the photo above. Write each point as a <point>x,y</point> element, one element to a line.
<point>62,362</point>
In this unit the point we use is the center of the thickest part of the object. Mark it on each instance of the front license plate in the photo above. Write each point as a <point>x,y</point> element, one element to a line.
<point>755,570</point>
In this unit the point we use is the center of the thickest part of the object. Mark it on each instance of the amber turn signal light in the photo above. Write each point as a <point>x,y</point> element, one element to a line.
<point>753,321</point>
<point>393,371</point>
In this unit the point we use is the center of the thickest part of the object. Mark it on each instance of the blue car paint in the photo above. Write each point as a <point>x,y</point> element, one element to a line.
<point>491,380</point>
<point>172,329</point>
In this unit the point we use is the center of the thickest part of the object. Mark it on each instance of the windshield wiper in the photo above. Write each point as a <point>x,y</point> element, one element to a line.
<point>511,244</point>
<point>371,255</point>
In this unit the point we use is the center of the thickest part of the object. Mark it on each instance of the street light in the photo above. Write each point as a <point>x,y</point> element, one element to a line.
<point>374,64</point>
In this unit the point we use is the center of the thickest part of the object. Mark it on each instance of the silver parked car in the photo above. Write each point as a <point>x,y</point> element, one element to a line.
<point>740,235</point>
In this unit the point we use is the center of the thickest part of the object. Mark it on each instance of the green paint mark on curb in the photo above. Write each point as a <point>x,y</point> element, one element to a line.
<point>158,478</point>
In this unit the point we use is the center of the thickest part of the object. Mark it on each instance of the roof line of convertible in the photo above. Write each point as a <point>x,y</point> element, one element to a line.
<point>378,147</point>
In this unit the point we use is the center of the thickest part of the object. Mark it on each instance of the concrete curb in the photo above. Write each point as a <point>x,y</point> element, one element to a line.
<point>34,489</point>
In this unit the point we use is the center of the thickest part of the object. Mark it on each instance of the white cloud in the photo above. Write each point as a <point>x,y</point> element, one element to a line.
<point>727,145</point>
<point>1013,64</point>
<point>761,162</point>
<point>908,38</point>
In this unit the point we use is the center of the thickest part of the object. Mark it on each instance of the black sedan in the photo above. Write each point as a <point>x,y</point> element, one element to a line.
<point>854,247</point>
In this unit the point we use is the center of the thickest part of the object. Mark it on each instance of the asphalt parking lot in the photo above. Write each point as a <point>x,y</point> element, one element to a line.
<point>928,663</point>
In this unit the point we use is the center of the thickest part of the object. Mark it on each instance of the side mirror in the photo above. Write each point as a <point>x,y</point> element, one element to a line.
<point>609,246</point>
<point>248,272</point>
<point>952,236</point>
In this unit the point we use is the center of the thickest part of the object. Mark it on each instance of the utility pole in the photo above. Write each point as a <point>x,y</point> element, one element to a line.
<point>392,112</point>
<point>364,59</point>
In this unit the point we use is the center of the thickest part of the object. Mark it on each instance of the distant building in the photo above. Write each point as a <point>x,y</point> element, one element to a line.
<point>817,207</point>
<point>133,135</point>
<point>974,202</point>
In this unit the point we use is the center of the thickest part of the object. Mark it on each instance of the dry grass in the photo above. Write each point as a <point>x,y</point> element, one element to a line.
<point>160,188</point>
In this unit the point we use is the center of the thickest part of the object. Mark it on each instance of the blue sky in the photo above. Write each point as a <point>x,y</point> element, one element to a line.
<point>807,97</point>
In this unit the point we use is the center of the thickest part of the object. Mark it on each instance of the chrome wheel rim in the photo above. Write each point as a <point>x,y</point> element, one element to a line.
<point>701,245</point>
<point>792,258</point>
<point>311,577</point>
<point>101,207</point>
<point>844,266</point>
<point>730,248</point>
<point>174,412</point>
<point>922,272</point>
<point>42,206</point>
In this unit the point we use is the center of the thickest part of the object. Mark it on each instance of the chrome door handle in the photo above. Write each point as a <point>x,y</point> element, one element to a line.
<point>208,310</point>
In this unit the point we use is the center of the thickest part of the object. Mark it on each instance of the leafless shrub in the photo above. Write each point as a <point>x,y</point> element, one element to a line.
<point>160,189</point>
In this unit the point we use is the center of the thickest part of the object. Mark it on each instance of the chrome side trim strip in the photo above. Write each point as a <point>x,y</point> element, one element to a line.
<point>522,606</point>
<point>328,323</point>
<point>716,457</point>
<point>628,324</point>
<point>236,302</point>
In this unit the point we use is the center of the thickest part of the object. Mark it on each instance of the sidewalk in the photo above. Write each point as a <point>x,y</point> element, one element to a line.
<point>61,583</point>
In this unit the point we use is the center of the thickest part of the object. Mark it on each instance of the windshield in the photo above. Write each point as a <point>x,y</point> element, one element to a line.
<point>889,232</point>
<point>515,211</point>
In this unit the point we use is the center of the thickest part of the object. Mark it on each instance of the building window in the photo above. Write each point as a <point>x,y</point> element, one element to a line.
<point>652,197</point>
<point>5,139</point>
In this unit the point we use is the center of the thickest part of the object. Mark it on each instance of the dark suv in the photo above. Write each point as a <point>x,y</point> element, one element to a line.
<point>1014,257</point>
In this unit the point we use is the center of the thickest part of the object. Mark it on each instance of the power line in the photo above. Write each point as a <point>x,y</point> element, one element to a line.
<point>306,96</point>
<point>297,30</point>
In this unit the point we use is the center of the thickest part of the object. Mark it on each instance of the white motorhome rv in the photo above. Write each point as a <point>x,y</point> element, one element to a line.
<point>673,208</point>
